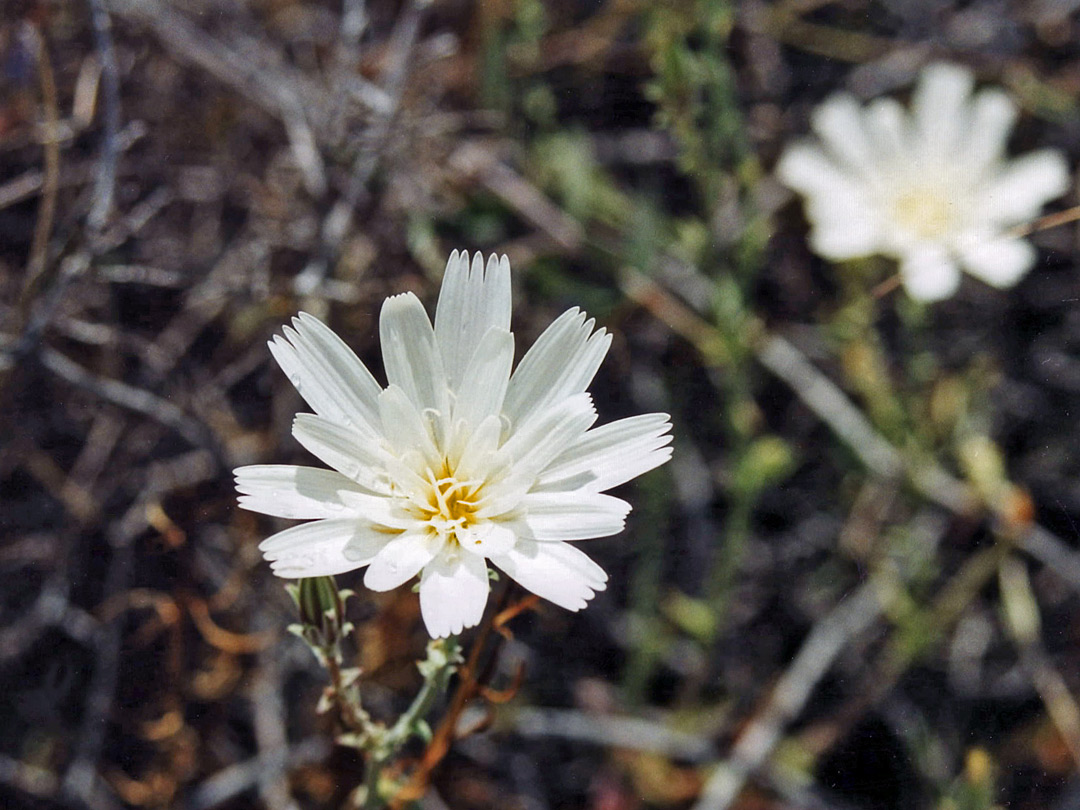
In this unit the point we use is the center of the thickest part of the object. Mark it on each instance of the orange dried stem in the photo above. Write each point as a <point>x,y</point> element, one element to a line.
<point>1045,223</point>
<point>226,640</point>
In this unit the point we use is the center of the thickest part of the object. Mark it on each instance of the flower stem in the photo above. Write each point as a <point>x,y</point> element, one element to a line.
<point>443,657</point>
<point>467,688</point>
<point>352,714</point>
<point>372,772</point>
<point>382,744</point>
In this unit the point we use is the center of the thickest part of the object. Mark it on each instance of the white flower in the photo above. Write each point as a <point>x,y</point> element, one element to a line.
<point>930,187</point>
<point>457,461</point>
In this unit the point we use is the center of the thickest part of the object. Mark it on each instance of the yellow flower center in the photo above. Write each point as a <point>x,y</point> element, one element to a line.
<point>927,211</point>
<point>448,505</point>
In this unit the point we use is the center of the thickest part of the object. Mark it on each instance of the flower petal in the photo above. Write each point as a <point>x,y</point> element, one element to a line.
<point>844,223</point>
<point>806,168</point>
<point>940,108</point>
<point>834,240</point>
<point>480,456</point>
<point>330,378</point>
<point>611,454</point>
<point>561,363</point>
<point>401,559</point>
<point>993,114</point>
<point>487,539</point>
<point>838,121</point>
<point>531,449</point>
<point>410,356</point>
<point>1019,192</point>
<point>453,592</point>
<point>887,127</point>
<point>322,548</point>
<point>404,427</point>
<point>577,515</point>
<point>557,572</point>
<point>471,302</point>
<point>929,274</point>
<point>1000,262</point>
<point>484,385</point>
<point>355,456</point>
<point>300,493</point>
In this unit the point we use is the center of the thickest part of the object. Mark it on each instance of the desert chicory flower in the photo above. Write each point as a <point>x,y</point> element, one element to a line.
<point>457,461</point>
<point>930,187</point>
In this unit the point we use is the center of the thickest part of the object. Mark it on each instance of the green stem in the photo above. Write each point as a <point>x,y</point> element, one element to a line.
<point>443,656</point>
<point>421,705</point>
<point>352,714</point>
<point>372,772</point>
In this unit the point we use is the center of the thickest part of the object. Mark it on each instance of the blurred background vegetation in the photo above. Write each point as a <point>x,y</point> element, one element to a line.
<point>854,587</point>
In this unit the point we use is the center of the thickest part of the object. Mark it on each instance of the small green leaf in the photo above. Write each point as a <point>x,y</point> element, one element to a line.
<point>693,616</point>
<point>349,676</point>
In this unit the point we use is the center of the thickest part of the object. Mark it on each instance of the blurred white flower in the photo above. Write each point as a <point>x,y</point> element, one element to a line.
<point>457,461</point>
<point>930,187</point>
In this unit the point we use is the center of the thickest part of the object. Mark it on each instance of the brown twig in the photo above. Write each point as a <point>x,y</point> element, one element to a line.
<point>135,399</point>
<point>830,404</point>
<point>1023,622</point>
<point>226,640</point>
<point>39,248</point>
<point>787,699</point>
<point>887,286</point>
<point>1045,223</point>
<point>101,205</point>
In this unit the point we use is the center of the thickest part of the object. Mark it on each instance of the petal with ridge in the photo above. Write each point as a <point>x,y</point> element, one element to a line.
<point>576,515</point>
<point>473,299</point>
<point>300,493</point>
<point>400,560</point>
<point>404,426</point>
<point>410,356</point>
<point>453,592</point>
<point>318,548</point>
<point>557,572</point>
<point>533,446</point>
<point>614,453</point>
<point>353,455</point>
<point>483,388</point>
<point>561,363</point>
<point>326,373</point>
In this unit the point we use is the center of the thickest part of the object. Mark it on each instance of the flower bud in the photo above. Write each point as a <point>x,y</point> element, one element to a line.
<point>321,606</point>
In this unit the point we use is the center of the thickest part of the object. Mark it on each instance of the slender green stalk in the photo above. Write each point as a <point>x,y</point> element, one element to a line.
<point>324,627</point>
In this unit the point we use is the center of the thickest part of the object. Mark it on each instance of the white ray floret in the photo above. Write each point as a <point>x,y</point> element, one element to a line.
<point>460,460</point>
<point>930,187</point>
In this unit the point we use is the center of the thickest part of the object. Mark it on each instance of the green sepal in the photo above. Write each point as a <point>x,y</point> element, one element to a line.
<point>423,730</point>
<point>353,739</point>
